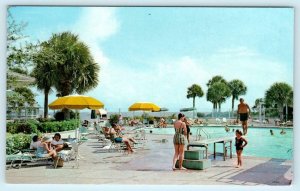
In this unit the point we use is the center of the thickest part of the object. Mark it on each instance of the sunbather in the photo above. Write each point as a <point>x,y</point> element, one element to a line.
<point>35,143</point>
<point>117,136</point>
<point>45,149</point>
<point>57,142</point>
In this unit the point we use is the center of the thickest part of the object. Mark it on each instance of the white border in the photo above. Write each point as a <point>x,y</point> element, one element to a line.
<point>254,3</point>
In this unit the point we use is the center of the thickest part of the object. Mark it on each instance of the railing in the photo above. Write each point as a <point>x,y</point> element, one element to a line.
<point>199,136</point>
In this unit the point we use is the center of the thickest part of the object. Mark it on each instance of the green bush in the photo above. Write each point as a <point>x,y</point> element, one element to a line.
<point>12,127</point>
<point>17,142</point>
<point>59,116</point>
<point>57,126</point>
<point>200,114</point>
<point>31,126</point>
<point>27,127</point>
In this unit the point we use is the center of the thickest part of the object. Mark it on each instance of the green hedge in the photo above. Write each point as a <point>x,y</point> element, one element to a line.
<point>57,126</point>
<point>27,127</point>
<point>17,142</point>
<point>34,127</point>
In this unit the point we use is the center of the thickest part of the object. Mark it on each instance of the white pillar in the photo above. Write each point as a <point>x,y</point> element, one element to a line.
<point>260,119</point>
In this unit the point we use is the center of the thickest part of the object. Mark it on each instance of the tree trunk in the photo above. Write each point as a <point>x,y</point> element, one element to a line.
<point>232,104</point>
<point>46,92</point>
<point>65,92</point>
<point>194,102</point>
<point>194,107</point>
<point>280,110</point>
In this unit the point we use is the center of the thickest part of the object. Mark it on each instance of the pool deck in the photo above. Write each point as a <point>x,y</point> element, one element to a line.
<point>151,165</point>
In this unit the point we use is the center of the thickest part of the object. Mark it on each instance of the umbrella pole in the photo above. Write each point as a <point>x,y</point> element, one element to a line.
<point>78,121</point>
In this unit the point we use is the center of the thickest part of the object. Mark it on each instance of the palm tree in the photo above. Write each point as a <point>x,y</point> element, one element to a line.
<point>279,95</point>
<point>211,96</point>
<point>217,91</point>
<point>237,88</point>
<point>45,72</point>
<point>193,92</point>
<point>217,94</point>
<point>216,79</point>
<point>76,70</point>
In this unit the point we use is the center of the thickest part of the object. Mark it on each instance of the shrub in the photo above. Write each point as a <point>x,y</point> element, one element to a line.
<point>27,127</point>
<point>11,127</point>
<point>59,116</point>
<point>200,114</point>
<point>17,142</point>
<point>57,126</point>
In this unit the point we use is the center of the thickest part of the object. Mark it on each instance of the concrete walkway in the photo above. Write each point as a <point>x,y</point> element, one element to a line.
<point>152,165</point>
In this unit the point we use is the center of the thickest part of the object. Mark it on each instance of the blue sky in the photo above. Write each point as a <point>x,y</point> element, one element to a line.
<point>155,53</point>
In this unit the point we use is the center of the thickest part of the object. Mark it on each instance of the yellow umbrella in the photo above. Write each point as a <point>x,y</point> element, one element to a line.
<point>144,106</point>
<point>76,102</point>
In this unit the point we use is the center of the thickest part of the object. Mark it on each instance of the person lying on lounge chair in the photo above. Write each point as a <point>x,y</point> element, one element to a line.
<point>116,135</point>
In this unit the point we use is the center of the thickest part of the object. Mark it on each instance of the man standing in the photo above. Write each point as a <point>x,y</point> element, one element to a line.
<point>244,113</point>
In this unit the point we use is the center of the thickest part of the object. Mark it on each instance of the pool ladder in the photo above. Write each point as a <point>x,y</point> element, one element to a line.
<point>199,136</point>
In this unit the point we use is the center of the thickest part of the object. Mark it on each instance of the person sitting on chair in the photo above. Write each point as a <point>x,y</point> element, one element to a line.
<point>45,148</point>
<point>35,143</point>
<point>119,138</point>
<point>57,142</point>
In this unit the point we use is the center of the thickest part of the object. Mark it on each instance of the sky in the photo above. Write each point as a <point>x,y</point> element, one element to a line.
<point>154,54</point>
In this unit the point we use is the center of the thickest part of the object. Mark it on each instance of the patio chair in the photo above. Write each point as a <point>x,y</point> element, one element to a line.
<point>83,132</point>
<point>16,160</point>
<point>218,120</point>
<point>74,154</point>
<point>224,120</point>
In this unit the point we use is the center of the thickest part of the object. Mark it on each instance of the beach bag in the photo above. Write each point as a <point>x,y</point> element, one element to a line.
<point>60,162</point>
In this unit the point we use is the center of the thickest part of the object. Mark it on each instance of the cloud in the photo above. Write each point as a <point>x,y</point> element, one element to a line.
<point>166,82</point>
<point>97,24</point>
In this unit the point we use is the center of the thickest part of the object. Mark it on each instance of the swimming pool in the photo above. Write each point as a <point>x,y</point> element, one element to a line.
<point>260,142</point>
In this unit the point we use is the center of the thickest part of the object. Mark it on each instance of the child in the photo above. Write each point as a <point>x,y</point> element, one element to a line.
<point>239,140</point>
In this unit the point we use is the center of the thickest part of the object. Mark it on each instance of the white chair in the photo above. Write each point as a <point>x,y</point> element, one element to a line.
<point>224,120</point>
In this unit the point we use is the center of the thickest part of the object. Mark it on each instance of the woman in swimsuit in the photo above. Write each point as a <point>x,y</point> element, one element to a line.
<point>116,135</point>
<point>188,130</point>
<point>240,143</point>
<point>179,141</point>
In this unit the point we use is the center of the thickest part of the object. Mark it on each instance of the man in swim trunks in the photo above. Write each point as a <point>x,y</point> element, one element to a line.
<point>244,113</point>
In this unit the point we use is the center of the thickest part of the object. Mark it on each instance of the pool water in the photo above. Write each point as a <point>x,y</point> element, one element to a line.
<point>260,142</point>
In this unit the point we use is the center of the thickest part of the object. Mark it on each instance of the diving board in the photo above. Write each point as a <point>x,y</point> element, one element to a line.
<point>204,143</point>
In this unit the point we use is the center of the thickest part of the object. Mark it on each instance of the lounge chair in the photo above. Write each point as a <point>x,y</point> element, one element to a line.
<point>16,160</point>
<point>218,121</point>
<point>83,132</point>
<point>224,120</point>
